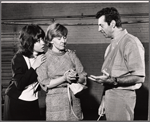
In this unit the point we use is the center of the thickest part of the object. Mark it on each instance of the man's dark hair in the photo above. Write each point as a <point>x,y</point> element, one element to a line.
<point>110,14</point>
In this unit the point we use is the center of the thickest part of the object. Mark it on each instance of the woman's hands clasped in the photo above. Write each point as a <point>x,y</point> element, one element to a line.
<point>71,75</point>
<point>38,61</point>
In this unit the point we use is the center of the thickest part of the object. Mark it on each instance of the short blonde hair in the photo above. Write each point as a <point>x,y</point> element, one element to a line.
<point>55,30</point>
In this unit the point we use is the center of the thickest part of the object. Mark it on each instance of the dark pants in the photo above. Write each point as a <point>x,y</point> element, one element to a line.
<point>15,109</point>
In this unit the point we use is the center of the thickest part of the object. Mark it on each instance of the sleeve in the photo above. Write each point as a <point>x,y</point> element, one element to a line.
<point>43,77</point>
<point>22,77</point>
<point>134,57</point>
<point>79,68</point>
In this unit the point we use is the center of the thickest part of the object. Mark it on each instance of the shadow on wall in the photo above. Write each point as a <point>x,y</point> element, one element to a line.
<point>89,103</point>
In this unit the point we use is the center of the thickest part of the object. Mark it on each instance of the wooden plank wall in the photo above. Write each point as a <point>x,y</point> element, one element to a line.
<point>83,37</point>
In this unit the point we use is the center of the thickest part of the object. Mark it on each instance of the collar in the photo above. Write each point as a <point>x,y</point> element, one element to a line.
<point>55,53</point>
<point>118,37</point>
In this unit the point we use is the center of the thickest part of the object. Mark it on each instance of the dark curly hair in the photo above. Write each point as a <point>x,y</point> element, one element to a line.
<point>29,35</point>
<point>55,30</point>
<point>110,14</point>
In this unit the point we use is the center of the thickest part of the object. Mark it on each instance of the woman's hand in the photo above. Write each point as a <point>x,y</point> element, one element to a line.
<point>71,75</point>
<point>38,61</point>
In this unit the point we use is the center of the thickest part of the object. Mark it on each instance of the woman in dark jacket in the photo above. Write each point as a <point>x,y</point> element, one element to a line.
<point>21,99</point>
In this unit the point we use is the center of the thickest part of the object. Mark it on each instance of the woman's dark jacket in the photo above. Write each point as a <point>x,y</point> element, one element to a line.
<point>21,76</point>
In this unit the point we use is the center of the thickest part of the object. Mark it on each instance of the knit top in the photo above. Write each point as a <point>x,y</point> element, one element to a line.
<point>57,64</point>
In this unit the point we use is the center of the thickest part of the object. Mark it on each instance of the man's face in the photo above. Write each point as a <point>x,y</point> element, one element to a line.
<point>104,28</point>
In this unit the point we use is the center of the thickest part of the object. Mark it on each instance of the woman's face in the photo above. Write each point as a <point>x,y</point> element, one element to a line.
<point>39,46</point>
<point>59,43</point>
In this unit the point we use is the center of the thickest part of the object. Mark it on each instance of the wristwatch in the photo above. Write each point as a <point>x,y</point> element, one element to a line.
<point>115,81</point>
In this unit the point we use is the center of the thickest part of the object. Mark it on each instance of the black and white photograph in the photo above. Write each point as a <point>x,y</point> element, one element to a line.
<point>74,60</point>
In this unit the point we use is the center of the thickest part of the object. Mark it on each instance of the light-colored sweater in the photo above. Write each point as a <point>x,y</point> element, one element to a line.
<point>57,64</point>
